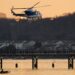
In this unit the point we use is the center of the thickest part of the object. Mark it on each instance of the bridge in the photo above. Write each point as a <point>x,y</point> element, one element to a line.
<point>36,56</point>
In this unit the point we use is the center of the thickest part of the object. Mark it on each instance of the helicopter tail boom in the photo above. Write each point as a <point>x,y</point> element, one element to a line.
<point>15,13</point>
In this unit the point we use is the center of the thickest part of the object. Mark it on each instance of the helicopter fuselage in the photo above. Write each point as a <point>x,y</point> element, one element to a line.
<point>32,14</point>
<point>29,13</point>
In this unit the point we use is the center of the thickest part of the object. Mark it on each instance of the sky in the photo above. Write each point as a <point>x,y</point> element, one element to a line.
<point>56,8</point>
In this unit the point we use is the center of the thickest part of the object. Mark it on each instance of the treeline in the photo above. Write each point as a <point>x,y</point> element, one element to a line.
<point>59,28</point>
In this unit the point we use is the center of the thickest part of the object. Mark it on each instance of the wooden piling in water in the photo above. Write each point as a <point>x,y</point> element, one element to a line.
<point>34,62</point>
<point>70,63</point>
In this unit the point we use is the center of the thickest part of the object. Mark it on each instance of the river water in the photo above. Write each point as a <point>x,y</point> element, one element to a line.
<point>44,67</point>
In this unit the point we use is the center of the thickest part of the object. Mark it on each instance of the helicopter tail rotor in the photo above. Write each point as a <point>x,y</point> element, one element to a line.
<point>12,10</point>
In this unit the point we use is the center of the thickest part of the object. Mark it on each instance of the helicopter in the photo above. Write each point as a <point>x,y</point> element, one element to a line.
<point>29,13</point>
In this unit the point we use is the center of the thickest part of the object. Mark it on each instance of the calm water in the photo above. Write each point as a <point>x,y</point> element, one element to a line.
<point>44,67</point>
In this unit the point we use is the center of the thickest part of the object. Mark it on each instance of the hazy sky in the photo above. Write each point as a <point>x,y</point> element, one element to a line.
<point>57,8</point>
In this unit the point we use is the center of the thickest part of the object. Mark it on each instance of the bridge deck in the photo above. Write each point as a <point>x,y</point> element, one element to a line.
<point>39,55</point>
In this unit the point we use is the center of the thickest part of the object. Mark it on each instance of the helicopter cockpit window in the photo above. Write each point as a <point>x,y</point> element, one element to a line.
<point>30,12</point>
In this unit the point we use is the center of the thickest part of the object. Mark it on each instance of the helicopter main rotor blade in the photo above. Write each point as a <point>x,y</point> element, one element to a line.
<point>28,8</point>
<point>34,5</point>
<point>20,8</point>
<point>42,6</point>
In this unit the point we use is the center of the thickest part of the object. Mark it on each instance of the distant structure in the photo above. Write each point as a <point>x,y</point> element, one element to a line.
<point>3,15</point>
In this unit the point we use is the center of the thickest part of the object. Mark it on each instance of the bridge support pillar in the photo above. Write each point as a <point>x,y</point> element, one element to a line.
<point>1,64</point>
<point>70,63</point>
<point>34,62</point>
<point>1,67</point>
